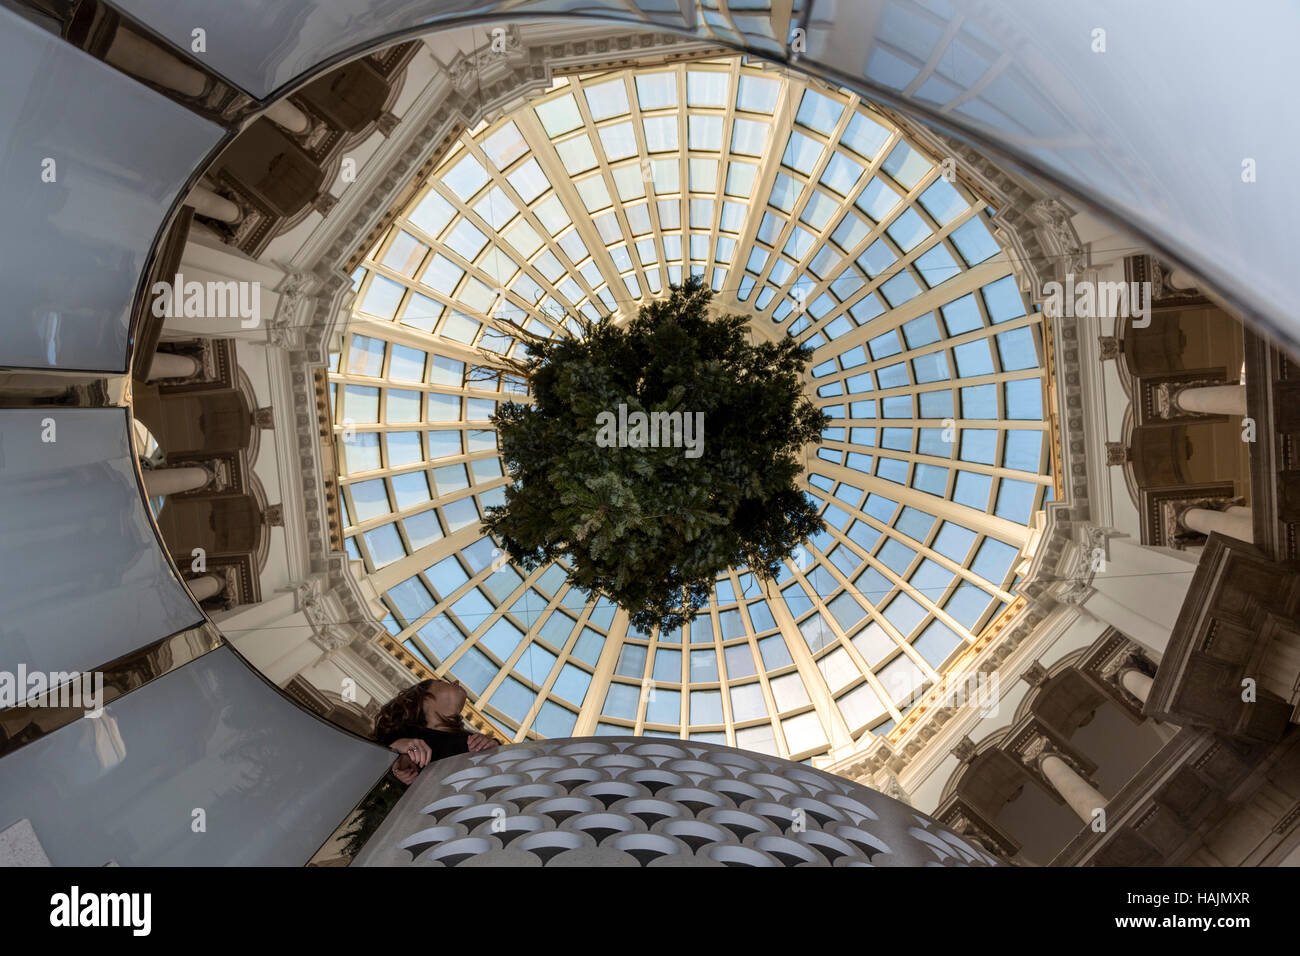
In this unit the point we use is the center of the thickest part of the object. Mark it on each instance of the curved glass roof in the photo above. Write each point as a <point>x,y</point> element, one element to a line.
<point>802,208</point>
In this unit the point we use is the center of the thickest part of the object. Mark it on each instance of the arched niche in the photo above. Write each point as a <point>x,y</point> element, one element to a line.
<point>1170,456</point>
<point>351,97</point>
<point>1193,337</point>
<point>219,525</point>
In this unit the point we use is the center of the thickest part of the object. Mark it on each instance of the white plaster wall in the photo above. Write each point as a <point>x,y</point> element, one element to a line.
<point>327,675</point>
<point>274,637</point>
<point>1082,631</point>
<point>1141,592</point>
<point>419,71</point>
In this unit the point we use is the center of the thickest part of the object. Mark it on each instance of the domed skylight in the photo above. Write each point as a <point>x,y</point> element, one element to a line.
<point>800,207</point>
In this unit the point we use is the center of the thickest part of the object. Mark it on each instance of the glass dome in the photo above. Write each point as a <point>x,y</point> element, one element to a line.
<point>801,207</point>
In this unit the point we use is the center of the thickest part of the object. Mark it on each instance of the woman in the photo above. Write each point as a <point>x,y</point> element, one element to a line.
<point>423,723</point>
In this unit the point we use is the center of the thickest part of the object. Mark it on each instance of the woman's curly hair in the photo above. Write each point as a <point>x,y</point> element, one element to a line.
<point>404,711</point>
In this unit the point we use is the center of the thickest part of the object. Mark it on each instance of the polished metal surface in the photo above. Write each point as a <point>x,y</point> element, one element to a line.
<point>205,766</point>
<point>91,162</point>
<point>1154,121</point>
<point>83,578</point>
<point>38,715</point>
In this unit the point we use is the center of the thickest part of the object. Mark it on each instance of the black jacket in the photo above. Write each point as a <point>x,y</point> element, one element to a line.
<point>443,743</point>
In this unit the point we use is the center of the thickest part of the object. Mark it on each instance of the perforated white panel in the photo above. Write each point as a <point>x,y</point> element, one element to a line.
<point>629,801</point>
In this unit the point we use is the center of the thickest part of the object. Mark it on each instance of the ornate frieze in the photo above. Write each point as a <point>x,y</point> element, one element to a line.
<point>1146,268</point>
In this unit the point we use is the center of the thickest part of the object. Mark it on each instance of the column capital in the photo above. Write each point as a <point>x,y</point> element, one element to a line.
<point>1105,662</point>
<point>964,749</point>
<point>1165,398</point>
<point>1172,510</point>
<point>1136,683</point>
<point>1034,674</point>
<point>965,820</point>
<point>1056,766</point>
<point>1032,741</point>
<point>1032,753</point>
<point>1232,520</point>
<point>220,477</point>
<point>1198,398</point>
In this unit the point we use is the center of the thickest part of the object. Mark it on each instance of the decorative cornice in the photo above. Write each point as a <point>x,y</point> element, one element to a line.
<point>312,600</point>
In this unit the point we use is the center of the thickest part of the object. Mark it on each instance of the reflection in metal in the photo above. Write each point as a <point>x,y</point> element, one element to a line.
<point>1031,81</point>
<point>205,766</point>
<point>59,389</point>
<point>88,182</point>
<point>29,721</point>
<point>83,579</point>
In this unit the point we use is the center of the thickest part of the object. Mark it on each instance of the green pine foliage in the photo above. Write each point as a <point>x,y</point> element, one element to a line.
<point>372,811</point>
<point>651,527</point>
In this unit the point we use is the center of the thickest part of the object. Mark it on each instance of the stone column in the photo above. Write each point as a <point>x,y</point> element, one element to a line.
<point>1234,522</point>
<point>1136,683</point>
<point>172,481</point>
<point>1213,399</point>
<point>287,116</point>
<point>1082,796</point>
<point>143,59</point>
<point>171,365</point>
<point>205,586</point>
<point>207,203</point>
